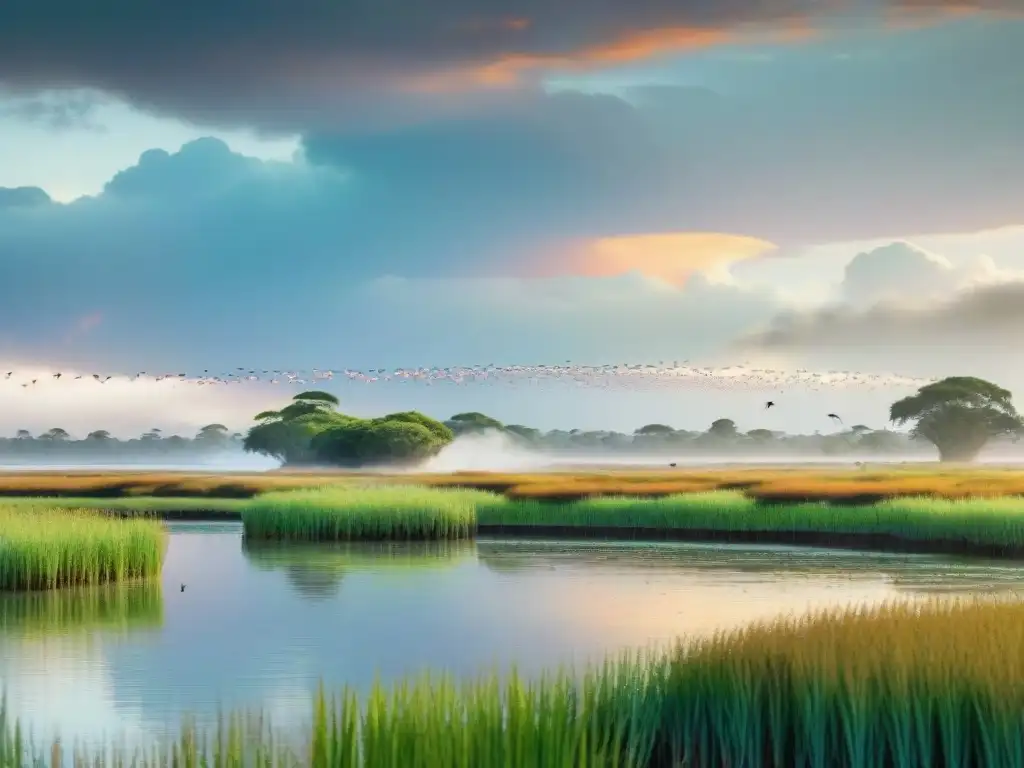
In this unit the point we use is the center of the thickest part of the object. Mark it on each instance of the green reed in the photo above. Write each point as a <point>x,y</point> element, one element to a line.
<point>379,512</point>
<point>48,548</point>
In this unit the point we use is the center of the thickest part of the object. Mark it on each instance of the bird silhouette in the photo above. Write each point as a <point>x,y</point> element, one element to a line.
<point>836,417</point>
<point>672,463</point>
<point>182,587</point>
<point>769,404</point>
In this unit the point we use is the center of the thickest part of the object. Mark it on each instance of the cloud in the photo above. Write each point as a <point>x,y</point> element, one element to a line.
<point>57,111</point>
<point>975,329</point>
<point>278,64</point>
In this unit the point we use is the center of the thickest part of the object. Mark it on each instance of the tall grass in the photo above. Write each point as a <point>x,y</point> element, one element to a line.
<point>408,512</point>
<point>900,685</point>
<point>51,548</point>
<point>106,607</point>
<point>371,513</point>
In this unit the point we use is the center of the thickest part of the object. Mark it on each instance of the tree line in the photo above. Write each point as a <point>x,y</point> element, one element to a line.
<point>59,443</point>
<point>957,417</point>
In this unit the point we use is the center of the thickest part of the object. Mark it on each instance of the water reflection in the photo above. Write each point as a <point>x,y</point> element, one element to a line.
<point>109,608</point>
<point>739,564</point>
<point>316,571</point>
<point>260,625</point>
<point>53,654</point>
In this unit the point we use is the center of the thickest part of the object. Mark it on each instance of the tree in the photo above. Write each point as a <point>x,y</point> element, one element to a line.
<point>958,415</point>
<point>439,430</point>
<point>528,434</point>
<point>723,428</point>
<point>22,434</point>
<point>212,434</point>
<point>286,435</point>
<point>654,429</point>
<point>362,442</point>
<point>56,435</point>
<point>761,435</point>
<point>98,436</point>
<point>473,421</point>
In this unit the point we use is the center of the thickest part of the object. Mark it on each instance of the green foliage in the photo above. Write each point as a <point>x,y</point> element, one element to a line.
<point>958,415</point>
<point>472,421</point>
<point>325,399</point>
<point>308,430</point>
<point>438,429</point>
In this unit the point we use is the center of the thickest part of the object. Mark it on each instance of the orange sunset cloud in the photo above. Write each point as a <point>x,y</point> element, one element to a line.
<point>670,256</point>
<point>508,69</point>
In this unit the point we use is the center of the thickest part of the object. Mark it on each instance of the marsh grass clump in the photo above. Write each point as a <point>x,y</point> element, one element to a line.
<point>369,513</point>
<point>937,684</point>
<point>43,548</point>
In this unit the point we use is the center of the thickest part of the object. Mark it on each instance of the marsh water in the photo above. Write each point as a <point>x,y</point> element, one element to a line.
<point>260,626</point>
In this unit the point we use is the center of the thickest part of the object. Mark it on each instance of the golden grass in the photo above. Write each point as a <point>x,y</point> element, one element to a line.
<point>791,484</point>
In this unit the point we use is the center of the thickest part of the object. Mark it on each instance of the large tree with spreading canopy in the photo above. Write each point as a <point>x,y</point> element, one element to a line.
<point>958,415</point>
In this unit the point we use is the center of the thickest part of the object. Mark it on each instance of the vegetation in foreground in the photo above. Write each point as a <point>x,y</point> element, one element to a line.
<point>47,548</point>
<point>898,685</point>
<point>332,514</point>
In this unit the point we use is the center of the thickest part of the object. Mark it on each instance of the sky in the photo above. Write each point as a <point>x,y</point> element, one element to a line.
<point>817,184</point>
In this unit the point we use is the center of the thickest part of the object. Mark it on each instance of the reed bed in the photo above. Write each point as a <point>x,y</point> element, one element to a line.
<point>49,548</point>
<point>989,522</point>
<point>407,512</point>
<point>109,607</point>
<point>940,684</point>
<point>899,685</point>
<point>367,513</point>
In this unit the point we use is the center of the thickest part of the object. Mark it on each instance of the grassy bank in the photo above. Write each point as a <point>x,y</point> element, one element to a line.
<point>899,685</point>
<point>48,548</point>
<point>989,525</point>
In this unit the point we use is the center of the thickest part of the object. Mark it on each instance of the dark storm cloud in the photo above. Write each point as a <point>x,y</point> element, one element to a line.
<point>885,137</point>
<point>293,65</point>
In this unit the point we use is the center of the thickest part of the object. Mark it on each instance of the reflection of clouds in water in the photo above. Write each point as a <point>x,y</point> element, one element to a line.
<point>61,685</point>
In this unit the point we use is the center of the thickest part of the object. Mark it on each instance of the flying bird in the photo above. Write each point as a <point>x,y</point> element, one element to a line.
<point>182,587</point>
<point>836,417</point>
<point>769,404</point>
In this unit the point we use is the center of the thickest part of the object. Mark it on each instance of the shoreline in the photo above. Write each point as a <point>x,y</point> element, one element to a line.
<point>858,542</point>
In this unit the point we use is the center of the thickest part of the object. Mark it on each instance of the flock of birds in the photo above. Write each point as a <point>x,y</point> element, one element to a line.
<point>662,375</point>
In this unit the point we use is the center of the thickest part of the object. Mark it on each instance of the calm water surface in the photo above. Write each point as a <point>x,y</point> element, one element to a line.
<point>260,626</point>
